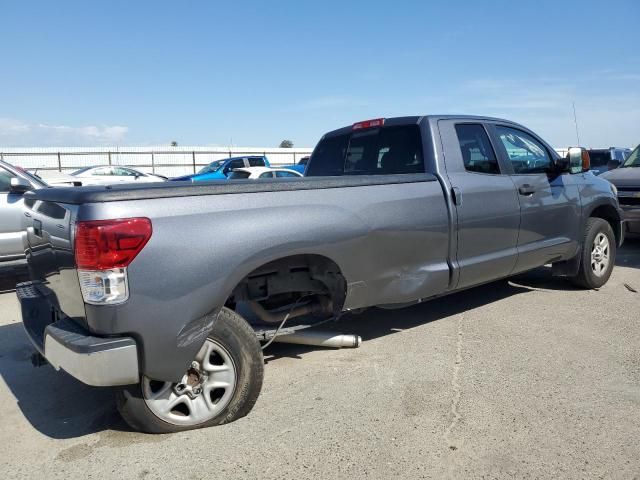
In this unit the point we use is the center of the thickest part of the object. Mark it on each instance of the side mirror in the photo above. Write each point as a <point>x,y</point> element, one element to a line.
<point>579,160</point>
<point>19,185</point>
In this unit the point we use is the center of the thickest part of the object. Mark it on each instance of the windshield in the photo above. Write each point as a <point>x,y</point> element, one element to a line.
<point>212,167</point>
<point>34,178</point>
<point>82,170</point>
<point>634,159</point>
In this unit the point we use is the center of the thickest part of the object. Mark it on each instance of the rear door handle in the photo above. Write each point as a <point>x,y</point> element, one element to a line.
<point>526,189</point>
<point>457,196</point>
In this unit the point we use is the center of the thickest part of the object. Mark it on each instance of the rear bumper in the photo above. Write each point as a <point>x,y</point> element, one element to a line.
<point>97,361</point>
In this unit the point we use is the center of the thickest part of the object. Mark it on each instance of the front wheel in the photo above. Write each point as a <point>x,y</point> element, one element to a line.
<point>222,384</point>
<point>598,254</point>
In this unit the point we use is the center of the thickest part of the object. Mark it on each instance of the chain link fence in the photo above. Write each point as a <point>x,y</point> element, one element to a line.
<point>167,161</point>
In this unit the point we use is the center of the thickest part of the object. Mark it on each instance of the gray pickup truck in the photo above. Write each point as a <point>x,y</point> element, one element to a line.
<point>139,286</point>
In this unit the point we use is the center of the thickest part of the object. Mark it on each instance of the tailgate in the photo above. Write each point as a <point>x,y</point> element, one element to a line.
<point>49,249</point>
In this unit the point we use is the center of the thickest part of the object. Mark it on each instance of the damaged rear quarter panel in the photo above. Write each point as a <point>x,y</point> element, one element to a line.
<point>389,240</point>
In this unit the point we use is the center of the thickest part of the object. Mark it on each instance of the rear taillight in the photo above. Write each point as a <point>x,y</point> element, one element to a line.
<point>104,244</point>
<point>103,250</point>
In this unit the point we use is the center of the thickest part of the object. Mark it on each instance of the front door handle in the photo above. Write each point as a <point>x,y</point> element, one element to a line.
<point>526,189</point>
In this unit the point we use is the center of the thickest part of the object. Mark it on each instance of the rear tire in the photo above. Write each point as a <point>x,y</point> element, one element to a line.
<point>598,254</point>
<point>221,386</point>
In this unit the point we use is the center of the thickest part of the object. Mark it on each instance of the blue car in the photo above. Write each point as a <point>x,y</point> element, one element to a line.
<point>220,169</point>
<point>300,166</point>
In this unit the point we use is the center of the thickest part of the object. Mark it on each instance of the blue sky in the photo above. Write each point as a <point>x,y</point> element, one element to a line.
<point>254,73</point>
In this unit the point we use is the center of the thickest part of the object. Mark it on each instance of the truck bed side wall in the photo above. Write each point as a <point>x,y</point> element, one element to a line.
<point>390,241</point>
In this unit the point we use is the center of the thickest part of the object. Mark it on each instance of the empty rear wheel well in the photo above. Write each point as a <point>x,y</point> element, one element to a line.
<point>283,281</point>
<point>610,214</point>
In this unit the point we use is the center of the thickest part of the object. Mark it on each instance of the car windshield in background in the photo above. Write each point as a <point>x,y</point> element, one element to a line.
<point>634,159</point>
<point>81,171</point>
<point>212,167</point>
<point>375,151</point>
<point>34,178</point>
<point>238,175</point>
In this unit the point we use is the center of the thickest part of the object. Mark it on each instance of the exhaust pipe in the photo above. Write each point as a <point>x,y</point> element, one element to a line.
<point>322,306</point>
<point>320,339</point>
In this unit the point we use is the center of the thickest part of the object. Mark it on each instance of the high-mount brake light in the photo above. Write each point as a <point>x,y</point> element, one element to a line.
<point>376,122</point>
<point>103,250</point>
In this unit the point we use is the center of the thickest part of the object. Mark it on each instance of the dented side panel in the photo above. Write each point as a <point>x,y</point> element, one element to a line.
<point>389,241</point>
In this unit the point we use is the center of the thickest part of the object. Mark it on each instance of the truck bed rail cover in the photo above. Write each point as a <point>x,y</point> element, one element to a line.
<point>114,193</point>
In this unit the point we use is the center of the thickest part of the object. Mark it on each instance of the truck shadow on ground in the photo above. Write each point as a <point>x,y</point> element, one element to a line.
<point>54,403</point>
<point>61,407</point>
<point>374,323</point>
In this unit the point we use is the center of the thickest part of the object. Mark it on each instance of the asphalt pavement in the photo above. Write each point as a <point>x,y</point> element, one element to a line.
<point>522,378</point>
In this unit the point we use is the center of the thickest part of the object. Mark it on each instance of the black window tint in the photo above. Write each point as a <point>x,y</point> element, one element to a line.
<point>30,202</point>
<point>5,180</point>
<point>477,152</point>
<point>378,151</point>
<point>599,158</point>
<point>256,162</point>
<point>52,210</point>
<point>239,163</point>
<point>239,174</point>
<point>527,155</point>
<point>327,158</point>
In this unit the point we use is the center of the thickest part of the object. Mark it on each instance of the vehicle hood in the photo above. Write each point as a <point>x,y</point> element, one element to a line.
<point>200,177</point>
<point>623,177</point>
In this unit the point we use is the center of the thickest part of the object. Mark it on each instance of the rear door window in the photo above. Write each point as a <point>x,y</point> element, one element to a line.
<point>239,174</point>
<point>376,151</point>
<point>256,162</point>
<point>476,149</point>
<point>281,174</point>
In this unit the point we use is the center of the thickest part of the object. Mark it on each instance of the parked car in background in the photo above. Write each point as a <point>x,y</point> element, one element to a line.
<point>627,181</point>
<point>220,169</point>
<point>391,212</point>
<point>106,175</point>
<point>605,159</point>
<point>253,173</point>
<point>300,166</point>
<point>14,181</point>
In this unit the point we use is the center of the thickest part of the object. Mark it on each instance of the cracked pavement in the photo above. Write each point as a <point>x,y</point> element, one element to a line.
<point>525,378</point>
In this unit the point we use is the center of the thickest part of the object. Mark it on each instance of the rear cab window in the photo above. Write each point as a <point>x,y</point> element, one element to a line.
<point>372,151</point>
